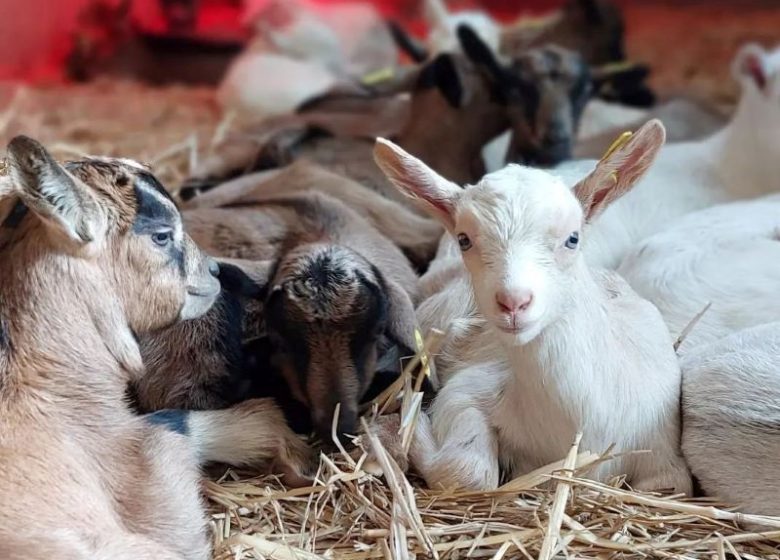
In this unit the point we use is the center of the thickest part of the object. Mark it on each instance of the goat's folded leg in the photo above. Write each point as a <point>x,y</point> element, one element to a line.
<point>251,433</point>
<point>463,457</point>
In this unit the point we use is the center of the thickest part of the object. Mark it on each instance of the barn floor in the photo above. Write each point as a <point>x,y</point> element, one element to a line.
<point>350,514</point>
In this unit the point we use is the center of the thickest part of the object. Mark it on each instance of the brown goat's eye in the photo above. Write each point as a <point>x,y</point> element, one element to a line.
<point>162,238</point>
<point>464,242</point>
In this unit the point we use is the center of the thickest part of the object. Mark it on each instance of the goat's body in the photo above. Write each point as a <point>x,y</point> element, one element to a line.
<point>74,457</point>
<point>731,416</point>
<point>82,277</point>
<point>633,381</point>
<point>734,163</point>
<point>727,255</point>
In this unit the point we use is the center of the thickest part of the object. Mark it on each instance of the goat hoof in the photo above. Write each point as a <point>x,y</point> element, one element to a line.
<point>386,429</point>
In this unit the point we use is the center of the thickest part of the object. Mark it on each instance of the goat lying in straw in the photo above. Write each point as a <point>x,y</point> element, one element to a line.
<point>93,256</point>
<point>334,291</point>
<point>570,348</point>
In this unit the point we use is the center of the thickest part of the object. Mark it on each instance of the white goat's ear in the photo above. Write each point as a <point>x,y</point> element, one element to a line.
<point>432,192</point>
<point>62,201</point>
<point>750,66</point>
<point>620,169</point>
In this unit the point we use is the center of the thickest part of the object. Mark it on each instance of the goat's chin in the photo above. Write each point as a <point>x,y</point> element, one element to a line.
<point>197,305</point>
<point>519,335</point>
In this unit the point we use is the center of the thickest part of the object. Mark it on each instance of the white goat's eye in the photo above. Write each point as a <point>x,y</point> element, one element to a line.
<point>162,238</point>
<point>464,242</point>
<point>574,238</point>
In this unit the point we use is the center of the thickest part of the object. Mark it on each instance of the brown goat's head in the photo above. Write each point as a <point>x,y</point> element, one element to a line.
<point>544,91</point>
<point>114,213</point>
<point>327,312</point>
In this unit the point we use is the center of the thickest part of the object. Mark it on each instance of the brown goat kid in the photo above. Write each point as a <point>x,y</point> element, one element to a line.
<point>337,298</point>
<point>93,255</point>
<point>459,104</point>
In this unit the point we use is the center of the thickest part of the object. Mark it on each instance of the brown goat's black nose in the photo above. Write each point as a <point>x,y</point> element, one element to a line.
<point>214,268</point>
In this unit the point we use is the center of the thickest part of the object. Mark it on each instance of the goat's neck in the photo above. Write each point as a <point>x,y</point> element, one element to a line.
<point>746,151</point>
<point>554,360</point>
<point>451,150</point>
<point>70,340</point>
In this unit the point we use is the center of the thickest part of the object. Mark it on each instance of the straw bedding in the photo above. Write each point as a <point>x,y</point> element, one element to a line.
<point>352,511</point>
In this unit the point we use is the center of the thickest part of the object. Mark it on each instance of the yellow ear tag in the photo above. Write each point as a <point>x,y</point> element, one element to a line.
<point>418,339</point>
<point>619,142</point>
<point>615,67</point>
<point>378,76</point>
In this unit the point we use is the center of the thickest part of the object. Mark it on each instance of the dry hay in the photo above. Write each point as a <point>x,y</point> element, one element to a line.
<point>368,508</point>
<point>165,127</point>
<point>353,511</point>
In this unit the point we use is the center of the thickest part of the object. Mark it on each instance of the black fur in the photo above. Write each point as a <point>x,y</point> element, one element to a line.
<point>175,420</point>
<point>371,326</point>
<point>16,215</point>
<point>5,337</point>
<point>414,49</point>
<point>442,74</point>
<point>480,54</point>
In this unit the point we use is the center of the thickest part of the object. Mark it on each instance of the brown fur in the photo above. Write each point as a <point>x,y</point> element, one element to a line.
<point>593,28</point>
<point>293,231</point>
<point>80,474</point>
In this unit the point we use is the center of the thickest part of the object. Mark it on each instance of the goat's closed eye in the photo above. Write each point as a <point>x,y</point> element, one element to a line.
<point>573,240</point>
<point>162,238</point>
<point>464,242</point>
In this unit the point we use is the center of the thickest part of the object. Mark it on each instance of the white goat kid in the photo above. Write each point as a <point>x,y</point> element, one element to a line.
<point>738,162</point>
<point>574,348</point>
<point>727,256</point>
<point>731,414</point>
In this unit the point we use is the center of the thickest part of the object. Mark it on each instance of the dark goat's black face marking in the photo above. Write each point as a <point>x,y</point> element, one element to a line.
<point>16,216</point>
<point>5,337</point>
<point>155,216</point>
<point>176,421</point>
<point>152,213</point>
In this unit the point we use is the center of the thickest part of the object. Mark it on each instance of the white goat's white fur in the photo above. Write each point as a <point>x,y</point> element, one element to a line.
<point>731,424</point>
<point>739,162</point>
<point>727,255</point>
<point>586,355</point>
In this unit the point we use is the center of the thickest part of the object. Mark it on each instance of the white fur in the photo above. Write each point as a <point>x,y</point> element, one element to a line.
<point>741,161</point>
<point>728,255</point>
<point>444,24</point>
<point>731,408</point>
<point>263,84</point>
<point>586,355</point>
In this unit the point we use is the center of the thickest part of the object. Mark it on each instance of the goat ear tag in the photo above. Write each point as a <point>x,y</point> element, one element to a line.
<point>619,142</point>
<point>378,76</point>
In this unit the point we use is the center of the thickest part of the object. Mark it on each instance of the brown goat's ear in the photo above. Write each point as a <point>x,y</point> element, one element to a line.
<point>62,201</point>
<point>432,192</point>
<point>401,319</point>
<point>620,169</point>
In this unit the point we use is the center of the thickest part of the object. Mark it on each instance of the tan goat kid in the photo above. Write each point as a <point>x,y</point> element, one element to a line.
<point>93,255</point>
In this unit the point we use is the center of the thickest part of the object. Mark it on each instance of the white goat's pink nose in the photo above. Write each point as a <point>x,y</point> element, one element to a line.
<point>514,301</point>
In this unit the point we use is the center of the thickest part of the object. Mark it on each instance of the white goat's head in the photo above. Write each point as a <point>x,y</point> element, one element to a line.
<point>758,73</point>
<point>520,228</point>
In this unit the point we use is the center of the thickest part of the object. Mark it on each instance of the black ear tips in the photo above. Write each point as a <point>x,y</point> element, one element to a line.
<point>447,79</point>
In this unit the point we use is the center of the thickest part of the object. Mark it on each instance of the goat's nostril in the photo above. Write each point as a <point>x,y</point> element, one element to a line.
<point>214,268</point>
<point>514,301</point>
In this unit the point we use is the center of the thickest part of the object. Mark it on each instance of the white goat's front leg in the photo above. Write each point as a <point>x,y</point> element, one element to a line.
<point>457,447</point>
